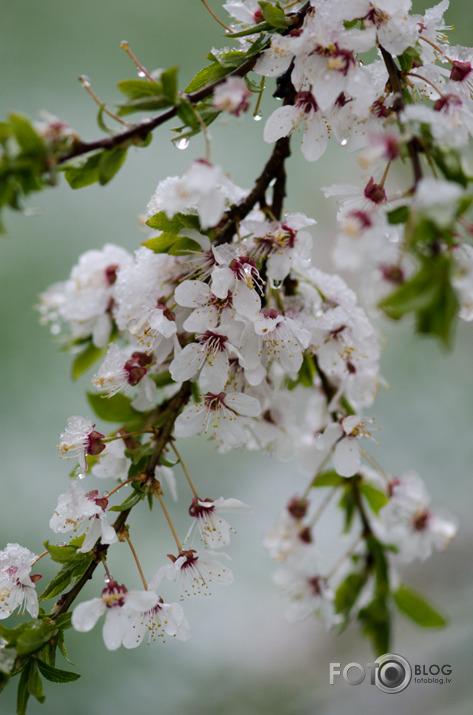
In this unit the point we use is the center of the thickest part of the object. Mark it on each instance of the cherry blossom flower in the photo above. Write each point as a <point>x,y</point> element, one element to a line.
<point>408,523</point>
<point>83,514</point>
<point>113,462</point>
<point>305,109</point>
<point>344,436</point>
<point>214,531</point>
<point>121,608</point>
<point>272,336</point>
<point>85,300</point>
<point>17,586</point>
<point>209,356</point>
<point>118,370</point>
<point>221,415</point>
<point>232,96</point>
<point>239,275</point>
<point>208,309</point>
<point>194,570</point>
<point>162,618</point>
<point>79,439</point>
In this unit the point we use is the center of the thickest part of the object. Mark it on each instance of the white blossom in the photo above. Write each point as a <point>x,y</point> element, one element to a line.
<point>17,586</point>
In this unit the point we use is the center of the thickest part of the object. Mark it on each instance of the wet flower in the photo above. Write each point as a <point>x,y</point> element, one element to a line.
<point>79,439</point>
<point>17,586</point>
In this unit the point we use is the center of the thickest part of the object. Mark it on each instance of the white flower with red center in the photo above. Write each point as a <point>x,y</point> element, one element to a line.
<point>284,244</point>
<point>79,439</point>
<point>83,513</point>
<point>209,356</point>
<point>432,28</point>
<point>17,585</point>
<point>215,531</point>
<point>343,439</point>
<point>208,309</point>
<point>272,336</point>
<point>395,28</point>
<point>408,523</point>
<point>119,370</point>
<point>120,607</point>
<point>246,11</point>
<point>305,588</point>
<point>221,415</point>
<point>85,301</point>
<point>232,96</point>
<point>284,120</point>
<point>203,187</point>
<point>194,571</point>
<point>240,276</point>
<point>113,462</point>
<point>289,533</point>
<point>161,619</point>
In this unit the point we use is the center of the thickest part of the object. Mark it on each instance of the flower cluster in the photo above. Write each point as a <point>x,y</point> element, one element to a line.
<point>222,325</point>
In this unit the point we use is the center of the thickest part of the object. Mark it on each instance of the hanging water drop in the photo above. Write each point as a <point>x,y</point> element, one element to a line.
<point>78,473</point>
<point>257,117</point>
<point>275,285</point>
<point>344,142</point>
<point>141,74</point>
<point>182,144</point>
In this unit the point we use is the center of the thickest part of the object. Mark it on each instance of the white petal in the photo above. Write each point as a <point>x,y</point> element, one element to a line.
<point>347,457</point>
<point>86,614</point>
<point>243,404</point>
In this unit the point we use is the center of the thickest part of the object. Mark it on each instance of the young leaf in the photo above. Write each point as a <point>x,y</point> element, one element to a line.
<point>110,163</point>
<point>415,607</point>
<point>375,497</point>
<point>56,675</point>
<point>84,174</point>
<point>86,359</point>
<point>328,479</point>
<point>29,141</point>
<point>140,88</point>
<point>113,409</point>
<point>169,82</point>
<point>35,686</point>
<point>206,76</point>
<point>36,635</point>
<point>274,15</point>
<point>348,592</point>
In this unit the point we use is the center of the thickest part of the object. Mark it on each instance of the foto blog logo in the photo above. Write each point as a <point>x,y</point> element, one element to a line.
<point>391,673</point>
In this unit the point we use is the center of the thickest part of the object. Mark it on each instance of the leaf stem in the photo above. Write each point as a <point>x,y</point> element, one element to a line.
<point>184,469</point>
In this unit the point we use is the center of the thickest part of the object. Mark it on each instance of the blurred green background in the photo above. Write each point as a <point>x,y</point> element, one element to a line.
<point>243,657</point>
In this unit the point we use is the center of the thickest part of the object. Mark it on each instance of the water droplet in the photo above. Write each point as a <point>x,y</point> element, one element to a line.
<point>182,144</point>
<point>276,285</point>
<point>344,142</point>
<point>105,494</point>
<point>141,73</point>
<point>62,543</point>
<point>107,579</point>
<point>84,80</point>
<point>257,117</point>
<point>78,473</point>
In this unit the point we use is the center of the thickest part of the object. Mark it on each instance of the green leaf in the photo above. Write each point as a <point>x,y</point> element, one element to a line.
<point>375,619</point>
<point>162,243</point>
<point>137,495</point>
<point>449,161</point>
<point>63,554</point>
<point>23,693</point>
<point>65,576</point>
<point>375,497</point>
<point>86,359</point>
<point>36,635</point>
<point>430,295</point>
<point>110,163</point>
<point>113,409</point>
<point>56,675</point>
<point>415,607</point>
<point>161,222</point>
<point>184,245</point>
<point>140,88</point>
<point>29,141</point>
<point>398,215</point>
<point>274,15</point>
<point>152,104</point>
<point>328,479</point>
<point>85,174</point>
<point>348,592</point>
<point>206,76</point>
<point>35,686</point>
<point>169,83</point>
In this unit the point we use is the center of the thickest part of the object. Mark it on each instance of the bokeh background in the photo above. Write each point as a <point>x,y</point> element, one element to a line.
<point>243,657</point>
